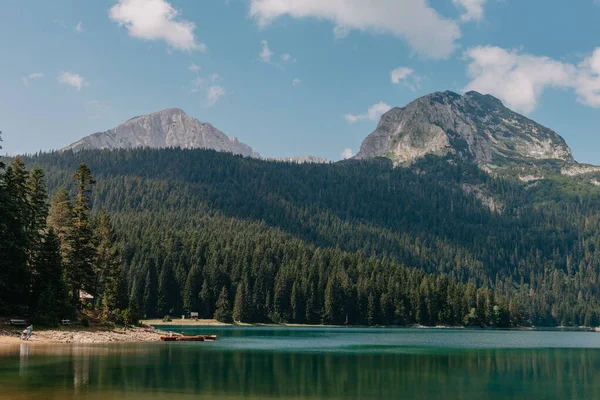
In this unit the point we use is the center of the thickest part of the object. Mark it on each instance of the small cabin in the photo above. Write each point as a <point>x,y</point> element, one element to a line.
<point>85,297</point>
<point>194,315</point>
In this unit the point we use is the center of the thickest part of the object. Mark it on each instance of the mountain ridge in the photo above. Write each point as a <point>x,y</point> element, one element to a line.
<point>170,127</point>
<point>472,126</point>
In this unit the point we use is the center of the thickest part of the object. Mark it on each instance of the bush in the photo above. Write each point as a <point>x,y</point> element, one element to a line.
<point>167,318</point>
<point>44,320</point>
<point>109,324</point>
<point>85,322</point>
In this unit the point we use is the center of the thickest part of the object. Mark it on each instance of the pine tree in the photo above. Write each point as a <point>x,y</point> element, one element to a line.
<point>14,275</point>
<point>334,301</point>
<point>166,291</point>
<point>371,310</point>
<point>206,300</point>
<point>150,296</point>
<point>191,290</point>
<point>241,312</point>
<point>37,194</point>
<point>297,303</point>
<point>106,263</point>
<point>61,219</point>
<point>49,289</point>
<point>9,225</point>
<point>16,182</point>
<point>81,252</point>
<point>223,312</point>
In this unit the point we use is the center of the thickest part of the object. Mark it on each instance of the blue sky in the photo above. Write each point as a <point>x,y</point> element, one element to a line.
<point>71,68</point>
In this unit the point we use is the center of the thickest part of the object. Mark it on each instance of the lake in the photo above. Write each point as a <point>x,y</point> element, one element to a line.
<point>313,363</point>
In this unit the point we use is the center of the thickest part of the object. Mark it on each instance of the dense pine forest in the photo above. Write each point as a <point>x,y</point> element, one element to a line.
<point>49,256</point>
<point>353,242</point>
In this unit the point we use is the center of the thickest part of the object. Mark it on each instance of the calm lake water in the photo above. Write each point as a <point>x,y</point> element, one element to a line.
<point>314,363</point>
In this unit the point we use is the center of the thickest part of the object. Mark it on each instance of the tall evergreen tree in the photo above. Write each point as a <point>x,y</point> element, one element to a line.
<point>242,303</point>
<point>37,194</point>
<point>191,291</point>
<point>81,250</point>
<point>106,263</point>
<point>49,289</point>
<point>60,219</point>
<point>14,275</point>
<point>223,312</point>
<point>150,291</point>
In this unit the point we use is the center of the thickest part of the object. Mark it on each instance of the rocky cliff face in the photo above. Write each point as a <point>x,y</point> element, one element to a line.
<point>473,127</point>
<point>166,128</point>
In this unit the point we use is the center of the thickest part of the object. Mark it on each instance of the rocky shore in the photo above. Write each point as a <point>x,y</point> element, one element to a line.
<point>83,335</point>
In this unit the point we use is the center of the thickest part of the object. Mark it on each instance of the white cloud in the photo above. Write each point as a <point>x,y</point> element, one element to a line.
<point>194,68</point>
<point>407,77</point>
<point>587,82</point>
<point>72,79</point>
<point>373,113</point>
<point>286,57</point>
<point>156,20</point>
<point>340,31</point>
<point>266,53</point>
<point>400,74</point>
<point>296,82</point>
<point>31,77</point>
<point>214,94</point>
<point>517,79</point>
<point>473,9</point>
<point>197,84</point>
<point>520,79</point>
<point>214,77</point>
<point>426,31</point>
<point>347,153</point>
<point>79,27</point>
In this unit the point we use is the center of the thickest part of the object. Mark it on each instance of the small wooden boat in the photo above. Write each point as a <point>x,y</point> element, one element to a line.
<point>182,338</point>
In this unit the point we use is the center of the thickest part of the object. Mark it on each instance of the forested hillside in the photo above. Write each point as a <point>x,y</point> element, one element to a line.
<point>212,232</point>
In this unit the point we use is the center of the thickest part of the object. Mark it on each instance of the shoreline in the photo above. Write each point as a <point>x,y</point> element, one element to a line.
<point>78,335</point>
<point>152,330</point>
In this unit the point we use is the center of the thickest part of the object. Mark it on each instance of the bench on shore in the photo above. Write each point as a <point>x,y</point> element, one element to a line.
<point>18,322</point>
<point>66,322</point>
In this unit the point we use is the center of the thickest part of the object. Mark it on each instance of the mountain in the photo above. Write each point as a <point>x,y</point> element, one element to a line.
<point>167,128</point>
<point>472,127</point>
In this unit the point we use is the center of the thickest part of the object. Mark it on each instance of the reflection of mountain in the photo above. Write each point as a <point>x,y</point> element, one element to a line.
<point>157,371</point>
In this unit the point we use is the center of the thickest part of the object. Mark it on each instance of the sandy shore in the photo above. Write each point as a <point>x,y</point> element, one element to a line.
<point>185,322</point>
<point>80,335</point>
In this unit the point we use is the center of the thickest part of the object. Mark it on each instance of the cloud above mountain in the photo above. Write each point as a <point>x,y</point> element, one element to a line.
<point>519,79</point>
<point>372,114</point>
<point>156,20</point>
<point>422,27</point>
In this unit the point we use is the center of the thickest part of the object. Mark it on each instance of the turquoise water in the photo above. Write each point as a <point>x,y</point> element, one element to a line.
<point>313,363</point>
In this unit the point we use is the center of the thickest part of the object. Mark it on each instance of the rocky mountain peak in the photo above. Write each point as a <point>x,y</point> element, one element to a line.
<point>472,126</point>
<point>171,127</point>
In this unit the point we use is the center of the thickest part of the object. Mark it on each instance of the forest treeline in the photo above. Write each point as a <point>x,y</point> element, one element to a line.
<point>50,255</point>
<point>351,242</point>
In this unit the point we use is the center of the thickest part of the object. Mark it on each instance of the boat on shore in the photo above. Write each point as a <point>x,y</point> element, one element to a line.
<point>181,338</point>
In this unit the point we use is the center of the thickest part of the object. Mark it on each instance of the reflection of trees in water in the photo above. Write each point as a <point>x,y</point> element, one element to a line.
<point>459,374</point>
<point>81,371</point>
<point>24,350</point>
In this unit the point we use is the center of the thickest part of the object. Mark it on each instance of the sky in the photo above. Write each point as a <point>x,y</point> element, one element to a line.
<point>291,77</point>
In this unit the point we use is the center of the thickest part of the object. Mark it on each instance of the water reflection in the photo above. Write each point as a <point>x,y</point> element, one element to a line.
<point>24,350</point>
<point>165,370</point>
